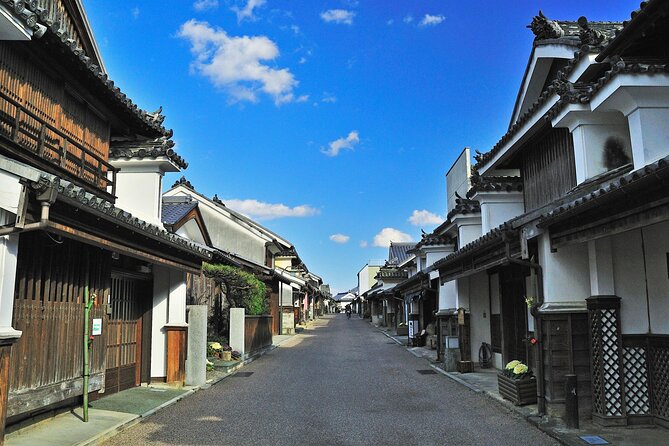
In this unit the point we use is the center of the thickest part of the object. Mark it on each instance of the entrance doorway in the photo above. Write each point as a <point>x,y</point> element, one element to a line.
<point>128,333</point>
<point>513,314</point>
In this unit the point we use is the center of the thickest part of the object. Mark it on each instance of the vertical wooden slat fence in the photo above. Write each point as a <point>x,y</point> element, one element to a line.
<point>257,333</point>
<point>48,308</point>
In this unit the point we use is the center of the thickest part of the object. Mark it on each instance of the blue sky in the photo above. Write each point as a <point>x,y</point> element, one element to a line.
<point>328,118</point>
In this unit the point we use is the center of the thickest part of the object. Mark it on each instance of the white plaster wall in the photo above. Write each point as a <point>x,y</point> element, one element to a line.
<point>140,194</point>
<point>9,247</point>
<point>457,178</point>
<point>363,280</point>
<point>169,308</point>
<point>433,256</point>
<point>468,233</point>
<point>161,291</point>
<point>229,236</point>
<point>589,143</point>
<point>499,208</point>
<point>285,295</point>
<point>479,309</point>
<point>191,231</point>
<point>656,242</point>
<point>448,295</point>
<point>462,300</point>
<point>566,272</point>
<point>629,280</point>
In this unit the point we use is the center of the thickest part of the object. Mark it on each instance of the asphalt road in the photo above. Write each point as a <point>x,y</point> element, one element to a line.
<point>340,383</point>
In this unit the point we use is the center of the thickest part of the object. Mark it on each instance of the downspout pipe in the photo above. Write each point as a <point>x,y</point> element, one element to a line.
<point>41,224</point>
<point>541,396</point>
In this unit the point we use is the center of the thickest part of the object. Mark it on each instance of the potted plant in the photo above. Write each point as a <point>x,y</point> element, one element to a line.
<point>215,349</point>
<point>517,384</point>
<point>227,353</point>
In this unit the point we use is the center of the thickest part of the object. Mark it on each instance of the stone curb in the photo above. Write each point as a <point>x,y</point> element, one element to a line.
<point>531,419</point>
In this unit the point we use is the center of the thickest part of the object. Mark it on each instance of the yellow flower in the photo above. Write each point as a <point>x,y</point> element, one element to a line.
<point>512,364</point>
<point>216,346</point>
<point>520,369</point>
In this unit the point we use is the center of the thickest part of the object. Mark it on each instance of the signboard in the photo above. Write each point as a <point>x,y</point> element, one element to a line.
<point>97,327</point>
<point>411,329</point>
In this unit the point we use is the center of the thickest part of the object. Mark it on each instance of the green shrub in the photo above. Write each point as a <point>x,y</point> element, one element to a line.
<point>244,290</point>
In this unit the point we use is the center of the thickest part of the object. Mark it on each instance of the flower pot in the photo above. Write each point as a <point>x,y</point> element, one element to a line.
<point>519,391</point>
<point>227,356</point>
<point>218,355</point>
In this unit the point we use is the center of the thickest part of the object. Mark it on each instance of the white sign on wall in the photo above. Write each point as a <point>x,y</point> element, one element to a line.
<point>97,327</point>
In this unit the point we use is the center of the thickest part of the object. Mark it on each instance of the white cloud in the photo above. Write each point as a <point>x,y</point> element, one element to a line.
<point>269,211</point>
<point>408,19</point>
<point>431,20</point>
<point>338,16</point>
<point>340,144</point>
<point>302,60</point>
<point>236,63</point>
<point>390,22</point>
<point>329,98</point>
<point>425,218</point>
<point>202,5</point>
<point>247,11</point>
<point>387,235</point>
<point>295,29</point>
<point>340,238</point>
<point>363,243</point>
<point>135,12</point>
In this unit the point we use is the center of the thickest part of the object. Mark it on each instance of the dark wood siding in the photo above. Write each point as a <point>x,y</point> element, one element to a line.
<point>49,310</point>
<point>566,350</point>
<point>547,168</point>
<point>44,118</point>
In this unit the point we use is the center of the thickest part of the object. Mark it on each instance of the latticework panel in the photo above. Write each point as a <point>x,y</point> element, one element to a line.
<point>606,379</point>
<point>659,372</point>
<point>635,369</point>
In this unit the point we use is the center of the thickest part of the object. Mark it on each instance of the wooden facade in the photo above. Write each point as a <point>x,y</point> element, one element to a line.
<point>49,310</point>
<point>257,333</point>
<point>548,168</point>
<point>566,350</point>
<point>44,120</point>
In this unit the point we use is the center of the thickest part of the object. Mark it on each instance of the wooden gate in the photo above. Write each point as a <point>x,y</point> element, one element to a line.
<point>124,333</point>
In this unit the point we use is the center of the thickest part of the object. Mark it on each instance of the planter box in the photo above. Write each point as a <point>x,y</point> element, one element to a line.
<point>465,366</point>
<point>520,392</point>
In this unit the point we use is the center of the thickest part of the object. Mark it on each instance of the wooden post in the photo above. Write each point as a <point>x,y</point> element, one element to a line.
<point>5,353</point>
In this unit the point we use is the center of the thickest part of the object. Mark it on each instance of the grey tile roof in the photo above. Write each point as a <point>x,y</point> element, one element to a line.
<point>494,184</point>
<point>495,235</point>
<point>593,37</point>
<point>176,208</point>
<point>657,171</point>
<point>78,197</point>
<point>398,252</point>
<point>147,148</point>
<point>464,206</point>
<point>432,239</point>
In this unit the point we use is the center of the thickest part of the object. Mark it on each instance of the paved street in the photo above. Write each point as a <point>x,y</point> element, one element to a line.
<point>340,383</point>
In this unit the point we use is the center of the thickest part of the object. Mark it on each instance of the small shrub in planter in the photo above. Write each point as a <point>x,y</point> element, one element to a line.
<point>236,355</point>
<point>214,349</point>
<point>517,384</point>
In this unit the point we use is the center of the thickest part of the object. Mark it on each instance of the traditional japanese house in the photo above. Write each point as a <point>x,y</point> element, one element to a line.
<point>586,243</point>
<point>64,235</point>
<point>245,242</point>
